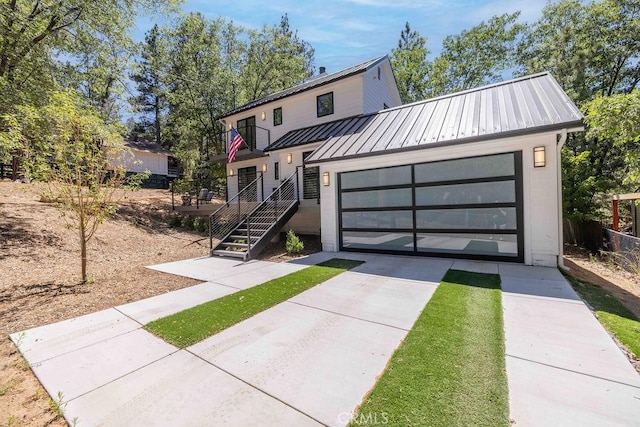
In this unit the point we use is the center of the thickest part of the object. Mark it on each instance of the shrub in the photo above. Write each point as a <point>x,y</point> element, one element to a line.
<point>294,245</point>
<point>201,224</point>
<point>175,221</point>
<point>187,222</point>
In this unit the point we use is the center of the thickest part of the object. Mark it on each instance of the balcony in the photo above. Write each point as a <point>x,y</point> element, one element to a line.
<point>254,136</point>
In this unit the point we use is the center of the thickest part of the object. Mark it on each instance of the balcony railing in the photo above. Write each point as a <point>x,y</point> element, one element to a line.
<point>259,137</point>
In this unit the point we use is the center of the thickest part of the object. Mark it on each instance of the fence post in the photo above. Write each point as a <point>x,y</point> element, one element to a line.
<point>616,220</point>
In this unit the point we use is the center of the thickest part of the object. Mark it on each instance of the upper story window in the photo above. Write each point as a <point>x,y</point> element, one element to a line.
<point>247,128</point>
<point>324,104</point>
<point>276,171</point>
<point>277,116</point>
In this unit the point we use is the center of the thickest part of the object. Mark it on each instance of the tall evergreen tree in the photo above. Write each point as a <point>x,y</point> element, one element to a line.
<point>149,78</point>
<point>410,65</point>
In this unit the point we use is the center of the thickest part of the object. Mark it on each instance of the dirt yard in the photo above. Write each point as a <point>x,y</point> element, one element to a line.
<point>40,272</point>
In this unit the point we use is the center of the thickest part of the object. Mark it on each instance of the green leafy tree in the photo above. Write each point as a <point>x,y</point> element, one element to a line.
<point>67,144</point>
<point>592,50</point>
<point>616,118</point>
<point>33,33</point>
<point>410,65</point>
<point>275,58</point>
<point>477,56</point>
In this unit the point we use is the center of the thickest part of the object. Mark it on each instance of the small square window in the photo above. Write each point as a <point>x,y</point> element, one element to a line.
<point>277,116</point>
<point>276,171</point>
<point>324,104</point>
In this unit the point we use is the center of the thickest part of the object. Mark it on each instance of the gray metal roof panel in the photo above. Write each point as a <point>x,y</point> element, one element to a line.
<point>308,85</point>
<point>520,106</point>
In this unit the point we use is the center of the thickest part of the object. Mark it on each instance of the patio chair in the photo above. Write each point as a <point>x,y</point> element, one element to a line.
<point>202,195</point>
<point>209,196</point>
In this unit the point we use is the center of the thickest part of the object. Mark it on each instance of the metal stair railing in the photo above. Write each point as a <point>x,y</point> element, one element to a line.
<point>275,205</point>
<point>226,218</point>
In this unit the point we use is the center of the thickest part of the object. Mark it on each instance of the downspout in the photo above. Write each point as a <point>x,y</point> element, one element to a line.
<point>561,142</point>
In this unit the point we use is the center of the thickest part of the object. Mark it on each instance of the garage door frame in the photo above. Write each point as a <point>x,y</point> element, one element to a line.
<point>517,178</point>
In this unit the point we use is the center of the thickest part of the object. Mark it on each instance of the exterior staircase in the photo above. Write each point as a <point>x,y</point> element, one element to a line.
<point>244,226</point>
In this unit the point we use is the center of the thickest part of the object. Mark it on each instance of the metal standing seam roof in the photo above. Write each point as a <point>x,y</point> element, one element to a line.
<point>520,106</point>
<point>308,85</point>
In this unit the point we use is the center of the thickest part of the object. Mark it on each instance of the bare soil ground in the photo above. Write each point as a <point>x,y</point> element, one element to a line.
<point>40,275</point>
<point>40,271</point>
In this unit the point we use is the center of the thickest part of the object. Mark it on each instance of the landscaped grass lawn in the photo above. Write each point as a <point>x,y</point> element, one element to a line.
<point>197,323</point>
<point>612,314</point>
<point>450,369</point>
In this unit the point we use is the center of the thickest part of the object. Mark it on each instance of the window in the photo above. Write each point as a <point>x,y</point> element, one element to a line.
<point>276,171</point>
<point>324,104</point>
<point>310,180</point>
<point>277,116</point>
<point>247,128</point>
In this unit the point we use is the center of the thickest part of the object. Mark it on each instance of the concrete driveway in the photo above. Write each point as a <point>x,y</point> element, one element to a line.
<point>312,359</point>
<point>308,361</point>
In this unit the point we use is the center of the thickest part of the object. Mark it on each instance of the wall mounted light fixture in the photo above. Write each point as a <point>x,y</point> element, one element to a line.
<point>230,172</point>
<point>264,167</point>
<point>325,179</point>
<point>264,116</point>
<point>289,158</point>
<point>539,157</point>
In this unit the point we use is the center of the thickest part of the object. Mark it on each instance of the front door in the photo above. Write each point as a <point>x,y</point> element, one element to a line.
<point>245,177</point>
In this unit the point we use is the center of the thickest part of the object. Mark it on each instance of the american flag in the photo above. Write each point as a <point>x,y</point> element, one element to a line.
<point>234,145</point>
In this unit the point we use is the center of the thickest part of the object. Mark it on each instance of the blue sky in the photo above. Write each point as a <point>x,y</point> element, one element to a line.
<point>347,32</point>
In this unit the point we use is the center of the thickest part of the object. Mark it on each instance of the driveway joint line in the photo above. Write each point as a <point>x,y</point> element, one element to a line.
<point>38,362</point>
<point>256,387</point>
<point>346,315</point>
<point>541,298</point>
<point>572,371</point>
<point>129,317</point>
<point>122,376</point>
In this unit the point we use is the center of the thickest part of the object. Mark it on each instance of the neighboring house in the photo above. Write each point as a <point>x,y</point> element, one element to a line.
<point>475,174</point>
<point>144,155</point>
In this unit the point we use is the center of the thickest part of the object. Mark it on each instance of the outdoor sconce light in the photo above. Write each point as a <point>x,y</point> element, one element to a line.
<point>264,116</point>
<point>230,172</point>
<point>539,157</point>
<point>289,158</point>
<point>325,179</point>
<point>264,167</point>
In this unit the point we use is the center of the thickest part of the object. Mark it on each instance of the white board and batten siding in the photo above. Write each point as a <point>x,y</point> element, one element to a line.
<point>379,88</point>
<point>540,201</point>
<point>141,161</point>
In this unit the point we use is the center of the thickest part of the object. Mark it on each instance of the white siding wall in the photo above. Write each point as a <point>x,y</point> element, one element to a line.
<point>299,111</point>
<point>539,189</point>
<point>378,92</point>
<point>155,163</point>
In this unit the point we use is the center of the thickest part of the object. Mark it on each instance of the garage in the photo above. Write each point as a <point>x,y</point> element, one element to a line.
<point>474,174</point>
<point>470,208</point>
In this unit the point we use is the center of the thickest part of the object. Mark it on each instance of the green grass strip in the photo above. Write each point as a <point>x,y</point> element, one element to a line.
<point>611,312</point>
<point>202,321</point>
<point>450,369</point>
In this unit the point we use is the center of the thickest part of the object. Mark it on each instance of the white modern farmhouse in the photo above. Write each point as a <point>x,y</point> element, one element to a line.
<point>474,174</point>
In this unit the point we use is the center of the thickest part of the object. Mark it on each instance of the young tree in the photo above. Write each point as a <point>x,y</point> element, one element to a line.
<point>410,65</point>
<point>67,144</point>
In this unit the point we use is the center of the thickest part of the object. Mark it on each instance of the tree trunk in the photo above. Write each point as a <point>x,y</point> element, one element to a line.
<point>83,251</point>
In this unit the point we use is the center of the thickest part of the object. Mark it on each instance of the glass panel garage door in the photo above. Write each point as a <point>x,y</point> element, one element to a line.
<point>468,208</point>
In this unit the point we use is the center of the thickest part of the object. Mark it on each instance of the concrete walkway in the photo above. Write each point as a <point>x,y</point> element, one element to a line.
<point>312,359</point>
